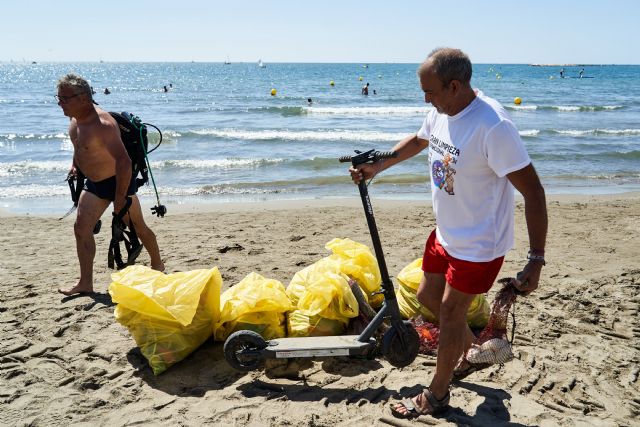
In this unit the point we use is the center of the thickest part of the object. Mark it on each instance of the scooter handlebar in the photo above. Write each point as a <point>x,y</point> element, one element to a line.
<point>370,156</point>
<point>385,154</point>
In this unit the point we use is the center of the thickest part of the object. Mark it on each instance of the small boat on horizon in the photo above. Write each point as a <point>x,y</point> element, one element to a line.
<point>261,64</point>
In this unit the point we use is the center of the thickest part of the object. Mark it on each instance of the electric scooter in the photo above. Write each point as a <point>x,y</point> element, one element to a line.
<point>246,350</point>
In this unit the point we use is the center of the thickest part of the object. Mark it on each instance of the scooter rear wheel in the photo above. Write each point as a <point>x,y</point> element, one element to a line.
<point>401,348</point>
<point>242,350</point>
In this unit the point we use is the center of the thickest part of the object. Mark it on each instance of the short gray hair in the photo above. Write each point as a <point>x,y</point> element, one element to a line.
<point>448,64</point>
<point>76,83</point>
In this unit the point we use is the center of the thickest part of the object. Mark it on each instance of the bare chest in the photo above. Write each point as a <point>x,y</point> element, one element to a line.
<point>90,153</point>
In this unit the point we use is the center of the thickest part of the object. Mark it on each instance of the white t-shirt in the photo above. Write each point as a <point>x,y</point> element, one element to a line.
<point>470,155</point>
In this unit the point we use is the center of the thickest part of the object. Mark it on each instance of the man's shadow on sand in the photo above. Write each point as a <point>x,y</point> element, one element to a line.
<point>206,369</point>
<point>491,411</point>
<point>96,297</point>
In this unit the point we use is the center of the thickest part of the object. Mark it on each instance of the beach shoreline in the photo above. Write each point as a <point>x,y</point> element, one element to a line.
<point>67,361</point>
<point>204,206</point>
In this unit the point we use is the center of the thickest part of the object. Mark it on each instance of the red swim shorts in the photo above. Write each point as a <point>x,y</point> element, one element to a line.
<point>465,276</point>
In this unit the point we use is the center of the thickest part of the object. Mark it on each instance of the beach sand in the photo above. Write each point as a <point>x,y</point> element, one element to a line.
<point>66,361</point>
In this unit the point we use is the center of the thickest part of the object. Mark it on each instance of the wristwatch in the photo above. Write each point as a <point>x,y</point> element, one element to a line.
<point>536,255</point>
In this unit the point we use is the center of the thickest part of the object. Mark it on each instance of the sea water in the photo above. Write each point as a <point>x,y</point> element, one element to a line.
<point>227,139</point>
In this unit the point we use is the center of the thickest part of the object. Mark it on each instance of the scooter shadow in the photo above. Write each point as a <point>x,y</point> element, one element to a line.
<point>343,366</point>
<point>313,393</point>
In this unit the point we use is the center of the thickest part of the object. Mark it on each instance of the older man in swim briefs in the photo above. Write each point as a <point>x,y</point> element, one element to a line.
<point>100,154</point>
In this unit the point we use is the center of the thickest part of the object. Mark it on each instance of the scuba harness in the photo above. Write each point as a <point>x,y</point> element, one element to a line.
<point>133,133</point>
<point>119,233</point>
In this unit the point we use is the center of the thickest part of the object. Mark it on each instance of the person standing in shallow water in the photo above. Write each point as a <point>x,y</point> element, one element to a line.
<point>476,158</point>
<point>100,154</point>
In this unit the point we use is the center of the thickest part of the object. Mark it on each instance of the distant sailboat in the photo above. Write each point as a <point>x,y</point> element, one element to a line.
<point>227,62</point>
<point>260,64</point>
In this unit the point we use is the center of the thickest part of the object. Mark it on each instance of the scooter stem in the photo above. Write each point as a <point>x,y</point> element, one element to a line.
<point>387,286</point>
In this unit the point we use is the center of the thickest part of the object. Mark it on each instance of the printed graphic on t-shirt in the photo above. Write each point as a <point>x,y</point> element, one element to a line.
<point>442,171</point>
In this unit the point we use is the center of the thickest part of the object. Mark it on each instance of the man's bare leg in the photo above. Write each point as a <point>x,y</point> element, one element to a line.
<point>146,235</point>
<point>430,294</point>
<point>450,307</point>
<point>454,337</point>
<point>90,209</point>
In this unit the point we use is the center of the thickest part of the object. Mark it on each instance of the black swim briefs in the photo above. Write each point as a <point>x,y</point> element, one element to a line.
<point>106,189</point>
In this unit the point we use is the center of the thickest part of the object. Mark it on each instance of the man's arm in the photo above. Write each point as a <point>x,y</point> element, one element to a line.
<point>406,148</point>
<point>527,182</point>
<point>115,147</point>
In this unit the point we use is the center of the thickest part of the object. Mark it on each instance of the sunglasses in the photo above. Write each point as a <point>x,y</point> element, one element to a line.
<point>64,99</point>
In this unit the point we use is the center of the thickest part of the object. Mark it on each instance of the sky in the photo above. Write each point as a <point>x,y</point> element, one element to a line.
<point>536,31</point>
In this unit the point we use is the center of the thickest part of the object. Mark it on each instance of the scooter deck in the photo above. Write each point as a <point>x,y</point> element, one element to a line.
<point>343,345</point>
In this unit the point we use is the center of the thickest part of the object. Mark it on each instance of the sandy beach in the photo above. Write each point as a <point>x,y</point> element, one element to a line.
<point>66,361</point>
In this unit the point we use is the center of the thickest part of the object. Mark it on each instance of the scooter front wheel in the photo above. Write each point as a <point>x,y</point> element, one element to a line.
<point>243,349</point>
<point>401,348</point>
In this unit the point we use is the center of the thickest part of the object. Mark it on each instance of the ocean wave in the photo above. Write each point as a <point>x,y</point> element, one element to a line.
<point>620,177</point>
<point>300,135</point>
<point>595,132</point>
<point>214,163</point>
<point>27,167</point>
<point>591,157</point>
<point>529,133</point>
<point>284,110</point>
<point>365,111</point>
<point>576,133</point>
<point>564,108</point>
<point>34,191</point>
<point>218,189</point>
<point>13,137</point>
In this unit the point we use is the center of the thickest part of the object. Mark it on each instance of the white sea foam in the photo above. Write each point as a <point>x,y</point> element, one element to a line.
<point>523,107</point>
<point>213,163</point>
<point>365,111</point>
<point>567,108</point>
<point>595,132</point>
<point>25,167</point>
<point>303,135</point>
<point>33,191</point>
<point>529,133</point>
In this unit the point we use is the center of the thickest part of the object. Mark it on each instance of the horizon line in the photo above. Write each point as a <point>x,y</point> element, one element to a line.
<point>224,62</point>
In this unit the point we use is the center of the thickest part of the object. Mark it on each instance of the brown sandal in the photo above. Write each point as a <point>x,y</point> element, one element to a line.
<point>412,411</point>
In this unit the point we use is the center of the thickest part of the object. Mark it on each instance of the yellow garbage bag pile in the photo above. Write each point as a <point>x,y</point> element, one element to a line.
<point>257,304</point>
<point>168,315</point>
<point>409,280</point>
<point>359,263</point>
<point>321,294</point>
<point>322,299</point>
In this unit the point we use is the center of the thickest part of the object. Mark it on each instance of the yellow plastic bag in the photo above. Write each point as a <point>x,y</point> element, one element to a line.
<point>356,261</point>
<point>409,280</point>
<point>349,258</point>
<point>255,303</point>
<point>319,291</point>
<point>168,315</point>
<point>302,325</point>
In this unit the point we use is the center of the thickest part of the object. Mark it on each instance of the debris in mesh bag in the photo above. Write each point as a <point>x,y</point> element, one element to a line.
<point>494,351</point>
<point>497,326</point>
<point>491,346</point>
<point>429,335</point>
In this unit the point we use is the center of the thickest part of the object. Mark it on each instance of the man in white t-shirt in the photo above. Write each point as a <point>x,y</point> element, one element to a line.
<point>476,158</point>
